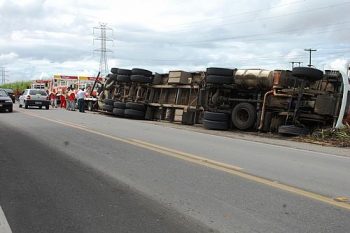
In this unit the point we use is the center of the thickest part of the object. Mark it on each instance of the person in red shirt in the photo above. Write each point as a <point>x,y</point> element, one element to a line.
<point>53,100</point>
<point>63,100</point>
<point>71,101</point>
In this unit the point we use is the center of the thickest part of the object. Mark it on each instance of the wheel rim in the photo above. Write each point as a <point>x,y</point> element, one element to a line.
<point>243,115</point>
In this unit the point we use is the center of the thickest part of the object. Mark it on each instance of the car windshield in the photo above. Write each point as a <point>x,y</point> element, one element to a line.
<point>3,93</point>
<point>37,92</point>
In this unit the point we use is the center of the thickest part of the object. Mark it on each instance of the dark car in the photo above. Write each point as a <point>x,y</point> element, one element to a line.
<point>5,101</point>
<point>11,94</point>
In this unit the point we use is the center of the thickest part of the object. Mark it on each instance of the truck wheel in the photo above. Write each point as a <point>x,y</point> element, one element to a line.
<point>216,79</point>
<point>215,125</point>
<point>136,106</point>
<point>90,107</point>
<point>140,79</point>
<point>244,116</point>
<point>307,73</point>
<point>137,71</point>
<point>135,114</point>
<point>109,102</point>
<point>118,104</point>
<point>124,72</point>
<point>292,130</point>
<point>220,71</point>
<point>215,116</point>
<point>118,112</point>
<point>123,78</point>
<point>114,70</point>
<point>108,108</point>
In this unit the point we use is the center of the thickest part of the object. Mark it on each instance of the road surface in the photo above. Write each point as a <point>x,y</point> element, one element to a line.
<point>64,171</point>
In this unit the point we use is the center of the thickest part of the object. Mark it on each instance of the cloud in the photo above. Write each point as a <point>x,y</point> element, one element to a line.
<point>43,37</point>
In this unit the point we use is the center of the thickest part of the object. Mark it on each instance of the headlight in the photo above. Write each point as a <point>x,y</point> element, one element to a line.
<point>8,101</point>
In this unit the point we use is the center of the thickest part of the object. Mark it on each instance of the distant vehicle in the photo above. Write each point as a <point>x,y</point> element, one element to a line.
<point>10,93</point>
<point>5,101</point>
<point>34,97</point>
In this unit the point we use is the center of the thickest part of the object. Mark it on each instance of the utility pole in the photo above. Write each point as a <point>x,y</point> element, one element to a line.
<point>295,62</point>
<point>310,52</point>
<point>101,34</point>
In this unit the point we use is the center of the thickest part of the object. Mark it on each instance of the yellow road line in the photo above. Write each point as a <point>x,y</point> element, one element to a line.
<point>234,170</point>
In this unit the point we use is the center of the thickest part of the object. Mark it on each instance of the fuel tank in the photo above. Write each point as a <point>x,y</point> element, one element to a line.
<point>254,79</point>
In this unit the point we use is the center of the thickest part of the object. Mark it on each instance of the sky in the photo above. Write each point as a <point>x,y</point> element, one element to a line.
<point>40,38</point>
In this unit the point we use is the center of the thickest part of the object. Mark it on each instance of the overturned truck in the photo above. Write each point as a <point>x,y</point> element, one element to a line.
<point>289,102</point>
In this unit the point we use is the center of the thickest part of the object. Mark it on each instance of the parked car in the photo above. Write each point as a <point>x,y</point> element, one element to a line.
<point>10,93</point>
<point>5,101</point>
<point>34,97</point>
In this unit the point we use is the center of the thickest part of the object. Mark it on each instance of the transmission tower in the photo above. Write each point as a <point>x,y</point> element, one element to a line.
<point>102,33</point>
<point>3,74</point>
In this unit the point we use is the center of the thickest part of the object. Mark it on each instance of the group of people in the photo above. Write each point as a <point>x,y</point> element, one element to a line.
<point>67,99</point>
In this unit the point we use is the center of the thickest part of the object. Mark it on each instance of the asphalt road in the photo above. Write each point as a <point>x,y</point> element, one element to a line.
<point>65,171</point>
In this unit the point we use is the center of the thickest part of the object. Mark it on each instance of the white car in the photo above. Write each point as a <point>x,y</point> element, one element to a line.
<point>34,97</point>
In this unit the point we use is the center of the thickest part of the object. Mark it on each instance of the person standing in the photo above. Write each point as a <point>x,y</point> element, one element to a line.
<point>71,99</point>
<point>81,101</point>
<point>63,99</point>
<point>53,100</point>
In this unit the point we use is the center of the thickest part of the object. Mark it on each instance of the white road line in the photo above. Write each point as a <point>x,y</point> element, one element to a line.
<point>4,226</point>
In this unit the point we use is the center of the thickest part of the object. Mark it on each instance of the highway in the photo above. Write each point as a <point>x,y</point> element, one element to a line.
<point>63,171</point>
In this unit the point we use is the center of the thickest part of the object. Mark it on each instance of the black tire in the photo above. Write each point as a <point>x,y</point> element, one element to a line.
<point>141,79</point>
<point>26,106</point>
<point>216,79</point>
<point>215,125</point>
<point>108,108</point>
<point>137,71</point>
<point>124,72</point>
<point>220,71</point>
<point>215,116</point>
<point>114,70</point>
<point>47,107</point>
<point>109,102</point>
<point>10,109</point>
<point>20,105</point>
<point>244,116</point>
<point>118,112</point>
<point>40,107</point>
<point>292,130</point>
<point>136,106</point>
<point>131,113</point>
<point>123,78</point>
<point>120,105</point>
<point>307,73</point>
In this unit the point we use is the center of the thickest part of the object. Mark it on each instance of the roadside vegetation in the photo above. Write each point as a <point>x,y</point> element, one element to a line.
<point>17,86</point>
<point>333,137</point>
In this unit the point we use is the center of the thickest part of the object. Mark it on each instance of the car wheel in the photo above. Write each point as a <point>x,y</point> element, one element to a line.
<point>40,107</point>
<point>47,107</point>
<point>26,106</point>
<point>10,109</point>
<point>20,105</point>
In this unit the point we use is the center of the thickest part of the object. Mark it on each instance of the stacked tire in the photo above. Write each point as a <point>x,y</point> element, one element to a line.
<point>135,110</point>
<point>215,120</point>
<point>123,75</point>
<point>219,76</point>
<point>108,105</point>
<point>141,76</point>
<point>119,109</point>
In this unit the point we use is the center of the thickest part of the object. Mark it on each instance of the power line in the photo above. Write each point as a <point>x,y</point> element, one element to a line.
<point>3,73</point>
